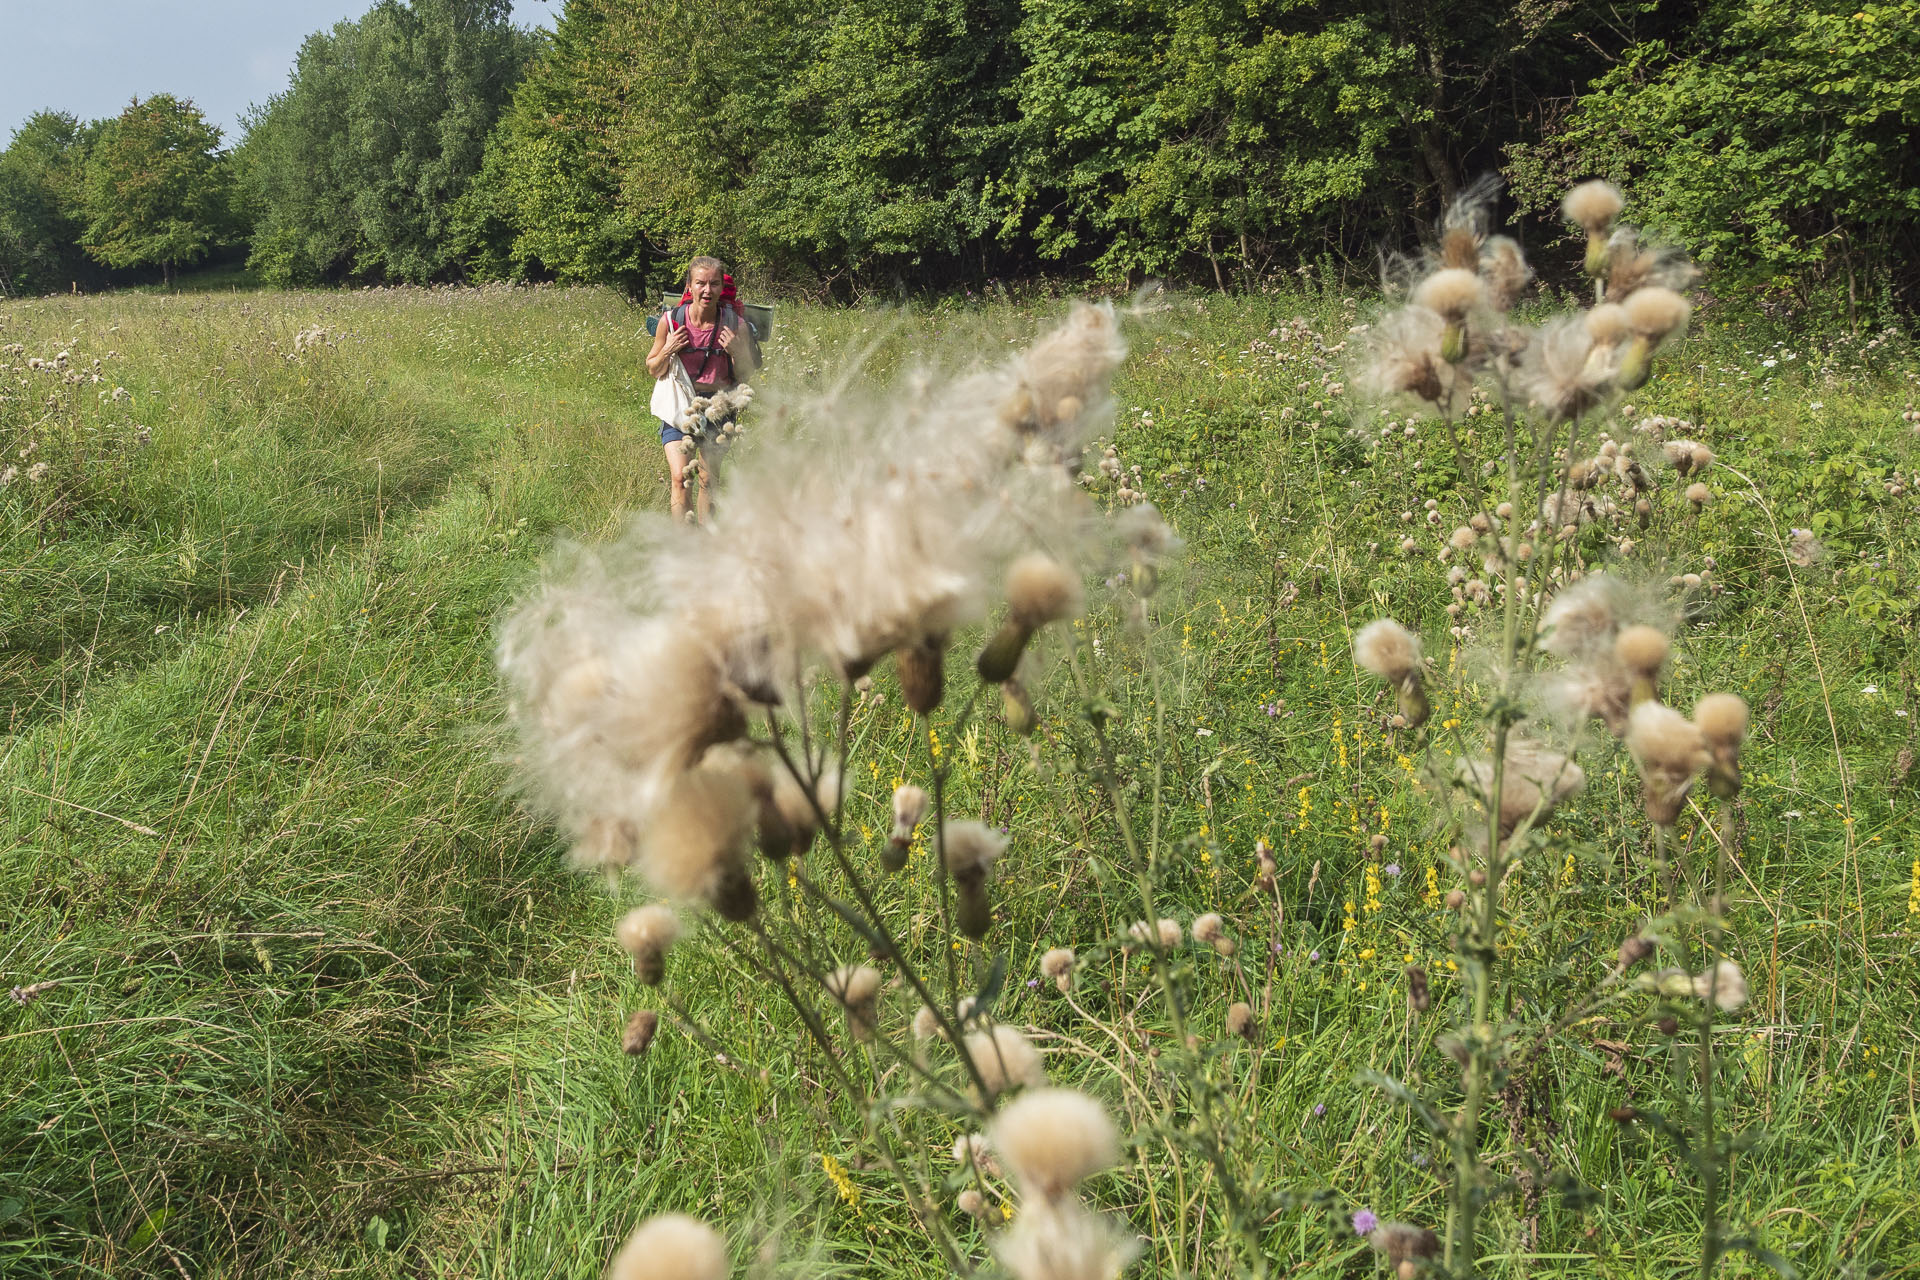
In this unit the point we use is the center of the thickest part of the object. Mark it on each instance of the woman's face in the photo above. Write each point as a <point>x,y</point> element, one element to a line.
<point>704,284</point>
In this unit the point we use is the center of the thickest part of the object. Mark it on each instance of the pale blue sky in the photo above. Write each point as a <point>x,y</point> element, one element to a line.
<point>91,57</point>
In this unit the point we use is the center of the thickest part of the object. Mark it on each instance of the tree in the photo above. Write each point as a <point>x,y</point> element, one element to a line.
<point>157,187</point>
<point>1776,140</point>
<point>42,188</point>
<point>552,163</point>
<point>359,168</point>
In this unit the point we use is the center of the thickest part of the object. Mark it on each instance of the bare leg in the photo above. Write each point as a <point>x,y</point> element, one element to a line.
<point>676,482</point>
<point>703,470</point>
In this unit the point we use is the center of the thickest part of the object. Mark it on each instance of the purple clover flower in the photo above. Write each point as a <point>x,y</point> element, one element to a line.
<point>1364,1221</point>
<point>1392,869</point>
<point>1319,1109</point>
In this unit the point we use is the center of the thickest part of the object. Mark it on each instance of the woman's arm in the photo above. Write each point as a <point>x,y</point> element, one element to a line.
<point>667,345</point>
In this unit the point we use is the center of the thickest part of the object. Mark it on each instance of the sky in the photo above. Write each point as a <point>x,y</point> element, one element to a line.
<point>90,57</point>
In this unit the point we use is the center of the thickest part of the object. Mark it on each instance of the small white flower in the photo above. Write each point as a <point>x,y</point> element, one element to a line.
<point>1792,813</point>
<point>1203,733</point>
<point>1871,689</point>
<point>1901,712</point>
<point>1768,364</point>
<point>1818,404</point>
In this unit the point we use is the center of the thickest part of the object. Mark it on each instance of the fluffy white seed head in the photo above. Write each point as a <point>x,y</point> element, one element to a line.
<point>1387,649</point>
<point>1592,206</point>
<point>1170,932</point>
<point>1005,1058</point>
<point>1209,928</point>
<point>1654,312</point>
<point>1564,372</point>
<point>1724,984</point>
<point>1451,293</point>
<point>909,806</point>
<point>1585,617</point>
<point>651,929</point>
<point>1057,963</point>
<point>1063,1241</point>
<point>972,847</point>
<point>1722,718</point>
<point>671,1246</point>
<point>1642,650</point>
<point>926,1024</point>
<point>1041,590</point>
<point>1607,324</point>
<point>854,984</point>
<point>698,835</point>
<point>1670,751</point>
<point>1052,1140</point>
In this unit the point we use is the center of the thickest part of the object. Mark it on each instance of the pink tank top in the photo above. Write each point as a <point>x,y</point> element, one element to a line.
<point>706,364</point>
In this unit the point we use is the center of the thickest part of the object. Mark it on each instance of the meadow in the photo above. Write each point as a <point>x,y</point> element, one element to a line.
<point>301,988</point>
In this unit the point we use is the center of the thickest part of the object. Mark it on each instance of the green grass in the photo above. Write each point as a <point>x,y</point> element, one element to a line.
<point>327,1002</point>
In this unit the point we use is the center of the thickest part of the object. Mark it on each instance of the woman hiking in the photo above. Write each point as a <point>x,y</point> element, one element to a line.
<point>708,338</point>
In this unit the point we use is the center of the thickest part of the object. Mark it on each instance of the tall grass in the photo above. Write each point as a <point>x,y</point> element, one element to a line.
<point>324,1001</point>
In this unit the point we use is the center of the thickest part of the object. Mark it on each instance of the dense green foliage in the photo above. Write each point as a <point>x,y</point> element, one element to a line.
<point>42,173</point>
<point>331,1005</point>
<point>360,167</point>
<point>897,145</point>
<point>158,189</point>
<point>1780,140</point>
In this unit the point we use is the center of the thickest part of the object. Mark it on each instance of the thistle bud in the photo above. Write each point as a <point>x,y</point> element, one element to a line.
<point>638,1036</point>
<point>922,667</point>
<point>1419,995</point>
<point>1017,707</point>
<point>1240,1020</point>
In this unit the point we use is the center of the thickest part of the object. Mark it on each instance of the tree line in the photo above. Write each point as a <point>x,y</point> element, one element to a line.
<point>882,144</point>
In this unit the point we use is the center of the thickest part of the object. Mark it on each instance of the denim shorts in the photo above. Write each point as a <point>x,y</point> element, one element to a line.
<point>669,433</point>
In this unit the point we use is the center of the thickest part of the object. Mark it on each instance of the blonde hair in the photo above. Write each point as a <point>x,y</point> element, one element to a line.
<point>713,264</point>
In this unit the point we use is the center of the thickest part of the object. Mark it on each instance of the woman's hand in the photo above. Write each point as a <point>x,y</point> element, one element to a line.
<point>726,339</point>
<point>667,345</point>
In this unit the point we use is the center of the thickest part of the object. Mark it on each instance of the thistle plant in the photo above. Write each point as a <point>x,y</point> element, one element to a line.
<point>1557,606</point>
<point>689,705</point>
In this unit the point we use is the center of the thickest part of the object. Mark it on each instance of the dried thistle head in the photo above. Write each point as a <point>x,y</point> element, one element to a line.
<point>1063,1241</point>
<point>1041,590</point>
<point>909,807</point>
<point>1724,984</point>
<point>1240,1020</point>
<point>1451,293</point>
<point>857,988</point>
<point>1592,206</point>
<point>647,933</point>
<point>637,1037</point>
<point>1057,964</point>
<point>1052,1140</point>
<point>671,1246</point>
<point>1722,721</point>
<point>1404,357</point>
<point>1388,650</point>
<point>1564,373</point>
<point>1607,324</point>
<point>696,845</point>
<point>1504,269</point>
<point>1669,751</point>
<point>1405,1246</point>
<point>1584,618</point>
<point>1632,263</point>
<point>1209,930</point>
<point>1005,1058</point>
<point>1642,651</point>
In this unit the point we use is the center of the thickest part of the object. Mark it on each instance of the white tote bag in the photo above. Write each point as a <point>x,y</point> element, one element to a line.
<point>673,394</point>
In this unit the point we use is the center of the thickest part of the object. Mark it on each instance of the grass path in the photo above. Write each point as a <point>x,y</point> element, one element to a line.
<point>325,1003</point>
